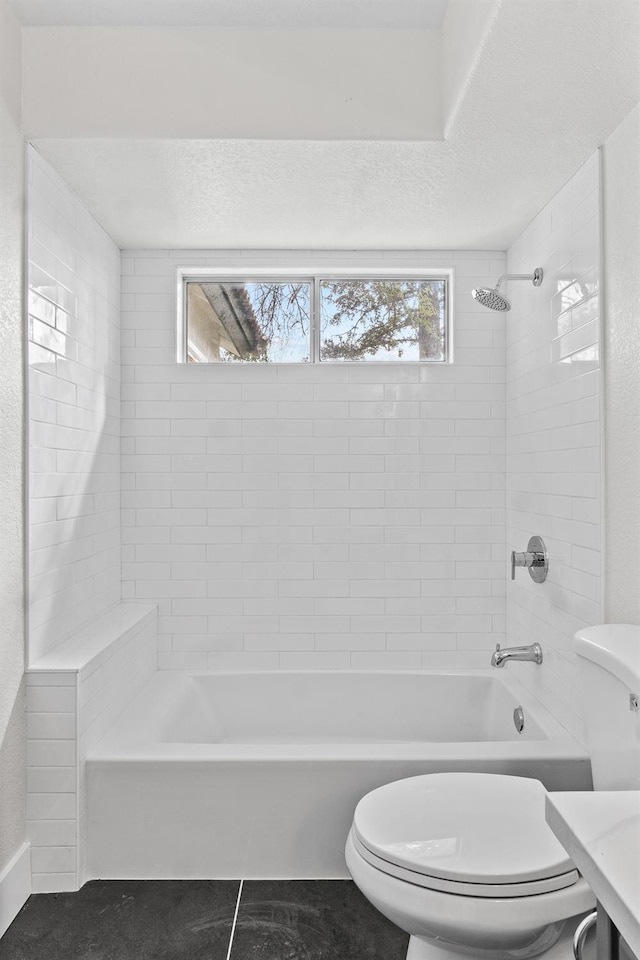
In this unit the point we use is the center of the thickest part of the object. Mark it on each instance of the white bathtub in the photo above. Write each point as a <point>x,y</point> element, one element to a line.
<point>257,774</point>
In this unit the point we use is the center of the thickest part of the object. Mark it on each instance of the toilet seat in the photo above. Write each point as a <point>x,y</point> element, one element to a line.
<point>479,835</point>
<point>462,888</point>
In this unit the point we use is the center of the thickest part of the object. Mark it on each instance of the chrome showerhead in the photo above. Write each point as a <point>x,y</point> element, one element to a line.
<point>492,298</point>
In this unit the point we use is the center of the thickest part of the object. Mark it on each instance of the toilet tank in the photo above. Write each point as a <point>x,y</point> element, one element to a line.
<point>609,665</point>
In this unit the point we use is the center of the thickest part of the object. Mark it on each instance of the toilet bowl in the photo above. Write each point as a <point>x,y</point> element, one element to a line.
<point>465,864</point>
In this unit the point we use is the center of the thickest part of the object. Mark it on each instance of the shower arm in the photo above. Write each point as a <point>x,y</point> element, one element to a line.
<point>516,276</point>
<point>535,277</point>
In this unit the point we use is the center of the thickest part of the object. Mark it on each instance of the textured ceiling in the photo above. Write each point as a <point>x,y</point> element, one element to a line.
<point>233,13</point>
<point>156,82</point>
<point>551,81</point>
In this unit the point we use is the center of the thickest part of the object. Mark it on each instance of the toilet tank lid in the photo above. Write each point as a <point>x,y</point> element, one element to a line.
<point>615,647</point>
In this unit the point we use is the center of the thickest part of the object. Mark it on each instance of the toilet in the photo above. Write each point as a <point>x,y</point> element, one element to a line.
<point>465,863</point>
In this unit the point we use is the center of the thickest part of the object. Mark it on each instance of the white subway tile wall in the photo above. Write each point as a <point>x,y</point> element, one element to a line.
<point>323,517</point>
<point>74,412</point>
<point>553,436</point>
<point>69,708</point>
<point>52,779</point>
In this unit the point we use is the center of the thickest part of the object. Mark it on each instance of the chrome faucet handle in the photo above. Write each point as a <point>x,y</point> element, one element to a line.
<point>535,559</point>
<point>519,560</point>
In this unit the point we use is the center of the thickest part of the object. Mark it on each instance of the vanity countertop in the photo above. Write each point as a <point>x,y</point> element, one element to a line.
<point>601,833</point>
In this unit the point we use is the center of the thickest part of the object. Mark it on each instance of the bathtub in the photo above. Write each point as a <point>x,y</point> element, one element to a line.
<point>257,775</point>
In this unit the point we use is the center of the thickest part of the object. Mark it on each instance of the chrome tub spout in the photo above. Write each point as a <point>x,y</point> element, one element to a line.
<point>501,656</point>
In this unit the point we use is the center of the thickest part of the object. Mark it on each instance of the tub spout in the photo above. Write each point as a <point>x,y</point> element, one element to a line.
<point>532,652</point>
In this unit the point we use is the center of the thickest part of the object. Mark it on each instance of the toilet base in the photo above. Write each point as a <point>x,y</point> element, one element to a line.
<point>426,950</point>
<point>420,949</point>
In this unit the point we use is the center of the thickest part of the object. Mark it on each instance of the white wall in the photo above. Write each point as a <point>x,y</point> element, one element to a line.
<point>553,436</point>
<point>622,371</point>
<point>12,722</point>
<point>74,409</point>
<point>313,516</point>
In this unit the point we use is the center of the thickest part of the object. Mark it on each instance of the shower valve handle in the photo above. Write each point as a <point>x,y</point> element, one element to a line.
<point>521,560</point>
<point>535,559</point>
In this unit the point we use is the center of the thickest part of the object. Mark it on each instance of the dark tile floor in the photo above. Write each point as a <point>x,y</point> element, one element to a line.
<point>194,920</point>
<point>312,920</point>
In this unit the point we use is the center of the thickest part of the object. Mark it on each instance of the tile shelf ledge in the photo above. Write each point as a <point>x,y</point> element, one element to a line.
<point>74,693</point>
<point>91,643</point>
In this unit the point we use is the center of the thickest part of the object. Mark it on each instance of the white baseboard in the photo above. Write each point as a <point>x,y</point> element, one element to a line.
<point>15,886</point>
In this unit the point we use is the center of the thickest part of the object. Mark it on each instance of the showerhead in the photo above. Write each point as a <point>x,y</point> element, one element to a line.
<point>492,298</point>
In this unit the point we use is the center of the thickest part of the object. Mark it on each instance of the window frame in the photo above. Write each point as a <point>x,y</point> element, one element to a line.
<point>314,277</point>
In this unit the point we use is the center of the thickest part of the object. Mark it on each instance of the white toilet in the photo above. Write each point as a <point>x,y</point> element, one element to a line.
<point>465,862</point>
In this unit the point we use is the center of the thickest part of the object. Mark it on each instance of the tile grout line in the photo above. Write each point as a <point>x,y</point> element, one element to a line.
<point>235,917</point>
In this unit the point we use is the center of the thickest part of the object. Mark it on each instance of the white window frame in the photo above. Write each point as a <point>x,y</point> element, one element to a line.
<point>247,274</point>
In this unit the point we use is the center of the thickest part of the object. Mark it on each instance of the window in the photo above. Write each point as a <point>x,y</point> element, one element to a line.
<point>313,318</point>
